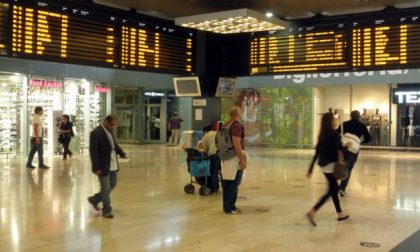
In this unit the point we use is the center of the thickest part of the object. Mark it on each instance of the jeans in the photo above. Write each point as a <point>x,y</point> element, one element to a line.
<point>66,144</point>
<point>351,159</point>
<point>107,183</point>
<point>215,167</point>
<point>36,148</point>
<point>332,192</point>
<point>230,192</point>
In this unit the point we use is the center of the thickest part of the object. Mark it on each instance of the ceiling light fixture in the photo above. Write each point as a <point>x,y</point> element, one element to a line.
<point>269,14</point>
<point>234,21</point>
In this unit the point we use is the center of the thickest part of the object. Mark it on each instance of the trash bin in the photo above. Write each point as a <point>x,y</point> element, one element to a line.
<point>187,140</point>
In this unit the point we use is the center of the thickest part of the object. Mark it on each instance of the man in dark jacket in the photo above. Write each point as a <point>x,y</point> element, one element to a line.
<point>358,129</point>
<point>103,150</point>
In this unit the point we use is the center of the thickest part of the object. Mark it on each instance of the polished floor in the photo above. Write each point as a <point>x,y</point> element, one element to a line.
<point>47,210</point>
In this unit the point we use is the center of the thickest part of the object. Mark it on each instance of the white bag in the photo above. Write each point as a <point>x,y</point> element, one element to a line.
<point>354,140</point>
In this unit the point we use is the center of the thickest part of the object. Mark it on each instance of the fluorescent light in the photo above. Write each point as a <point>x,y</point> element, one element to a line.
<point>234,21</point>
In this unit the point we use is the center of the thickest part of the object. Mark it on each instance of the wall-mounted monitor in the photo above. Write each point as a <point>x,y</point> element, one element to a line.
<point>187,86</point>
<point>226,87</point>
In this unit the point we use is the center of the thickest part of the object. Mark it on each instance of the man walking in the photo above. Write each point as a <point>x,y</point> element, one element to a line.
<point>37,141</point>
<point>103,154</point>
<point>353,130</point>
<point>174,126</point>
<point>232,169</point>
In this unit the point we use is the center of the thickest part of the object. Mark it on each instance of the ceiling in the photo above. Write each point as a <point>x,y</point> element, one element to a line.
<point>288,9</point>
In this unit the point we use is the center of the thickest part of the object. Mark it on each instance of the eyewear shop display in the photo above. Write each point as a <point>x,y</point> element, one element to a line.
<point>84,101</point>
<point>10,113</point>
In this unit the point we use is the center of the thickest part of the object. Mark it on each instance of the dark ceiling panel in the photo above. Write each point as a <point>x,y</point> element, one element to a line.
<point>171,9</point>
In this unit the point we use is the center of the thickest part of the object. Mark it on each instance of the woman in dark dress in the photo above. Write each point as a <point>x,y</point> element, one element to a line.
<point>66,133</point>
<point>328,152</point>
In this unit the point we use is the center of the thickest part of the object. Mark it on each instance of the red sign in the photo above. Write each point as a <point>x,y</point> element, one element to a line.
<point>46,84</point>
<point>101,89</point>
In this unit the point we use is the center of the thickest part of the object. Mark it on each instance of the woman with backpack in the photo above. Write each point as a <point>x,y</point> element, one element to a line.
<point>328,153</point>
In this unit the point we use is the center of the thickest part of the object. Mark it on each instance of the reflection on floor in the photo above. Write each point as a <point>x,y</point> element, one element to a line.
<point>48,211</point>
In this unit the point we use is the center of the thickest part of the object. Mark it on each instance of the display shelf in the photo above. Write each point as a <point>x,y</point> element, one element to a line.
<point>10,108</point>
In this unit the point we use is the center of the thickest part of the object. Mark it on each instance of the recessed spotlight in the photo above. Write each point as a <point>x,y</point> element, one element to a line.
<point>269,14</point>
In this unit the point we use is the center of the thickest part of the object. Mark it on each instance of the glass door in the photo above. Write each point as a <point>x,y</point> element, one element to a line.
<point>153,123</point>
<point>126,107</point>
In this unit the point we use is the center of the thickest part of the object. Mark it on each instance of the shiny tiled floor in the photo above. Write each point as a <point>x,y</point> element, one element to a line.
<point>48,211</point>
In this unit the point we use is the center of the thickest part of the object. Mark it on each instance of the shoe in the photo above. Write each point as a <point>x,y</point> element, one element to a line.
<point>43,167</point>
<point>108,215</point>
<point>64,158</point>
<point>311,219</point>
<point>238,210</point>
<point>30,166</point>
<point>94,205</point>
<point>232,212</point>
<point>342,193</point>
<point>343,218</point>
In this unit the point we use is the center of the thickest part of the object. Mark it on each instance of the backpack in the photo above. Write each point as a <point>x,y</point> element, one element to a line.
<point>224,144</point>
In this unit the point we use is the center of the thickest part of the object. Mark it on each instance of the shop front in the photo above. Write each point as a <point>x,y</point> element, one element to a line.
<point>12,113</point>
<point>84,101</point>
<point>286,110</point>
<point>371,100</point>
<point>406,103</point>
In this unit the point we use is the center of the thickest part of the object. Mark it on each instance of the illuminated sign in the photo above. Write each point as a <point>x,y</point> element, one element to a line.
<point>49,31</point>
<point>366,45</point>
<point>156,47</point>
<point>66,34</point>
<point>45,84</point>
<point>100,89</point>
<point>154,94</point>
<point>4,9</point>
<point>406,96</point>
<point>300,50</point>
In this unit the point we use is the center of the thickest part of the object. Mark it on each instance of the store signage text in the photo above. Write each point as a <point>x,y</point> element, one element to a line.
<point>100,89</point>
<point>301,78</point>
<point>404,97</point>
<point>154,94</point>
<point>46,84</point>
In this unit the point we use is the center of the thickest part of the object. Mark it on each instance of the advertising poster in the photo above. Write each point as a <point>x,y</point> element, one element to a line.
<point>277,117</point>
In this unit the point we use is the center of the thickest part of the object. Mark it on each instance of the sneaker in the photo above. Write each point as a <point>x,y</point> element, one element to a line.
<point>43,167</point>
<point>342,193</point>
<point>232,212</point>
<point>30,166</point>
<point>108,215</point>
<point>94,205</point>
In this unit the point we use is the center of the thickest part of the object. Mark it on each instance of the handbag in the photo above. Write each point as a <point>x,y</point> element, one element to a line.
<point>61,138</point>
<point>340,172</point>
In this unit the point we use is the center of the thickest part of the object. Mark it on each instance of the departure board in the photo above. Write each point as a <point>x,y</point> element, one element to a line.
<point>57,32</point>
<point>48,30</point>
<point>4,10</point>
<point>157,47</point>
<point>390,43</point>
<point>300,50</point>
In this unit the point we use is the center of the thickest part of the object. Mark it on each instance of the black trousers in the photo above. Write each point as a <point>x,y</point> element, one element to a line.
<point>351,159</point>
<point>66,144</point>
<point>332,192</point>
<point>230,192</point>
